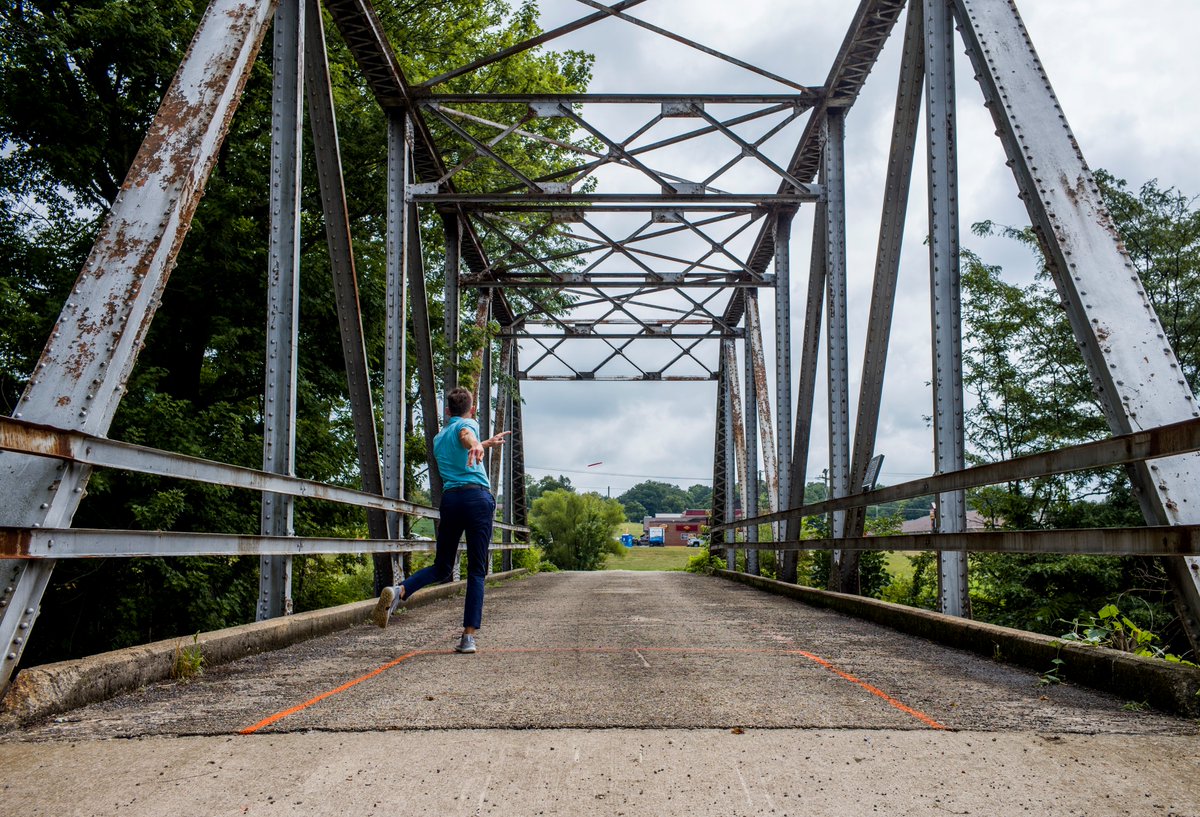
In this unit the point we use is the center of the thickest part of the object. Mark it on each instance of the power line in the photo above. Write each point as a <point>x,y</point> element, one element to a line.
<point>548,470</point>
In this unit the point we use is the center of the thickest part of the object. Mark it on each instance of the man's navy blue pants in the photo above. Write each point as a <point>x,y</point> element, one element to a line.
<point>464,510</point>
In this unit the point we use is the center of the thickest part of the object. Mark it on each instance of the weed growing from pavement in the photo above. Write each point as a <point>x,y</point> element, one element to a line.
<point>189,661</point>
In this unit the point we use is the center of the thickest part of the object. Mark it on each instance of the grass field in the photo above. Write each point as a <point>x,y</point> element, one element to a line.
<point>898,564</point>
<point>642,558</point>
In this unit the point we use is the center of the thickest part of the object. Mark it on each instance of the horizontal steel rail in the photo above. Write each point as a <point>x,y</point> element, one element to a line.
<point>653,377</point>
<point>632,202</point>
<point>647,283</point>
<point>582,335</point>
<point>1164,441</point>
<point>84,543</point>
<point>73,446</point>
<point>1164,540</point>
<point>806,99</point>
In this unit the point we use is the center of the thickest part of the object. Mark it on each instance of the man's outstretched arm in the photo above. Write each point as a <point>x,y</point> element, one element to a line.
<point>475,448</point>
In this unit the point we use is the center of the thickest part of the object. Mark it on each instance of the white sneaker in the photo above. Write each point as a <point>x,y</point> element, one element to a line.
<point>389,600</point>
<point>466,644</point>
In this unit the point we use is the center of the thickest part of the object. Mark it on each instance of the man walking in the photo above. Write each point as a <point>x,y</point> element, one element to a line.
<point>467,506</point>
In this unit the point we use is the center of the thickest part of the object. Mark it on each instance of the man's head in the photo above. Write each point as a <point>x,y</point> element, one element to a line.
<point>458,402</point>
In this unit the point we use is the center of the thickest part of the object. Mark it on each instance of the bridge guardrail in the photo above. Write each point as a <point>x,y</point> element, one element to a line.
<point>1153,443</point>
<point>23,437</point>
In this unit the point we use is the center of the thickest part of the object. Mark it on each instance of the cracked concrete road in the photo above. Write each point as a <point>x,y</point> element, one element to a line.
<point>610,693</point>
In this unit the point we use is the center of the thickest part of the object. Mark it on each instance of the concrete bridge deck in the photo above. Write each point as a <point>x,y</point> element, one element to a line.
<point>610,693</point>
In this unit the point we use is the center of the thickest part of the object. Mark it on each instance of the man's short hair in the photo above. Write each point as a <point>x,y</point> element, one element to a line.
<point>458,401</point>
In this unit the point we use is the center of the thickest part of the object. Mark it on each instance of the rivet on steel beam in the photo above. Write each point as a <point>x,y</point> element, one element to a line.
<point>12,656</point>
<point>28,611</point>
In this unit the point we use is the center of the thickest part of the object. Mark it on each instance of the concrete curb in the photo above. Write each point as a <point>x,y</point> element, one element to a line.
<point>44,690</point>
<point>1168,687</point>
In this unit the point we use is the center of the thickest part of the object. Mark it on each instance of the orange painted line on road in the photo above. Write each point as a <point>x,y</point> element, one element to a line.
<point>908,710</point>
<point>278,716</point>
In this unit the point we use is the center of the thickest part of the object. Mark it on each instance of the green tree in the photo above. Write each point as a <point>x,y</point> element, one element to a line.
<point>79,83</point>
<point>634,510</point>
<point>655,497</point>
<point>699,496</point>
<point>576,531</point>
<point>1033,393</point>
<point>535,488</point>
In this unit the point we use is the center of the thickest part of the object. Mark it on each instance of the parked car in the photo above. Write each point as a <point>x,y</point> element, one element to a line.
<point>694,542</point>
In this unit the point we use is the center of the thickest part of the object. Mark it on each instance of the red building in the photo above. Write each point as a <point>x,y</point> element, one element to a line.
<point>678,528</point>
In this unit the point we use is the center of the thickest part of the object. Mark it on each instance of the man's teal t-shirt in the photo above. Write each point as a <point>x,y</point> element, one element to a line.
<point>452,457</point>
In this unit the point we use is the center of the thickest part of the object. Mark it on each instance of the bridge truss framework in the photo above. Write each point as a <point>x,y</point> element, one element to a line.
<point>643,256</point>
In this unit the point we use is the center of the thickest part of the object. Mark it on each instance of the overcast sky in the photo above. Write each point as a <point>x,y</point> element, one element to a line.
<point>1124,73</point>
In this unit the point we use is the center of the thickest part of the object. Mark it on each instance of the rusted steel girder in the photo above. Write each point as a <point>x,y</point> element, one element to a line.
<point>1170,441</point>
<point>1133,368</point>
<point>82,373</point>
<point>887,258</point>
<point>82,543</point>
<point>323,122</point>
<point>1163,540</point>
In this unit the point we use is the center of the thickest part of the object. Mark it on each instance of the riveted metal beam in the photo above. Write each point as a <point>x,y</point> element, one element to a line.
<point>1152,444</point>
<point>49,543</point>
<point>323,123</point>
<point>887,258</point>
<point>949,441</point>
<point>283,298</point>
<point>81,375</point>
<point>1166,540</point>
<point>843,573</point>
<point>1134,369</point>
<point>395,354</point>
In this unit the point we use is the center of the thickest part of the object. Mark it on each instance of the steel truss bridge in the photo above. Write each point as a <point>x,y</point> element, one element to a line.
<point>648,252</point>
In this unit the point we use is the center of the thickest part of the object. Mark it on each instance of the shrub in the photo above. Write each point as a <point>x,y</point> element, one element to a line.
<point>576,530</point>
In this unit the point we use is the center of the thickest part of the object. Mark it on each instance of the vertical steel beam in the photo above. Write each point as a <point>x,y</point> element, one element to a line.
<point>809,356</point>
<point>452,227</point>
<point>503,412</point>
<point>722,465</point>
<point>484,390</point>
<point>727,444</point>
<point>887,259</point>
<point>395,353</point>
<point>735,409</point>
<point>837,355</point>
<point>948,430</point>
<point>720,513</point>
<point>517,443</point>
<point>766,427</point>
<point>423,345</point>
<point>453,230</point>
<point>1133,368</point>
<point>783,374</point>
<point>283,298</point>
<point>83,370</point>
<point>484,396</point>
<point>750,457</point>
<point>323,123</point>
<point>505,422</point>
